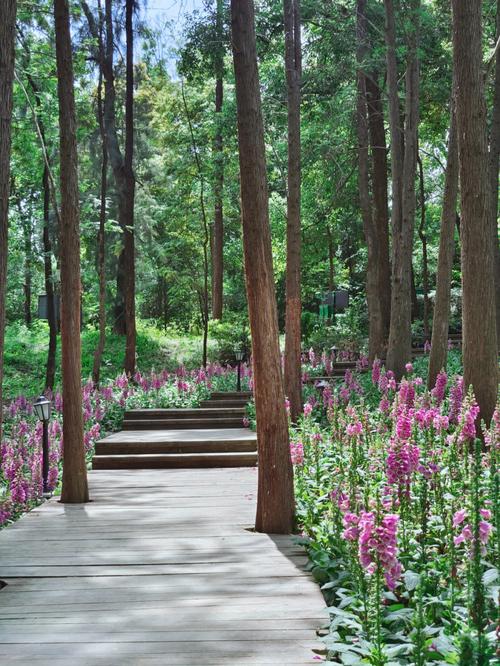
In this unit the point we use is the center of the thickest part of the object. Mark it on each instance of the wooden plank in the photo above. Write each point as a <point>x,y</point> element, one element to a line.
<point>158,569</point>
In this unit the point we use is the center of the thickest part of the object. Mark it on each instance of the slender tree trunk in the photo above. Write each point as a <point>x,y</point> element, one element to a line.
<point>204,296</point>
<point>28,252</point>
<point>478,291</point>
<point>423,239</point>
<point>74,482</point>
<point>275,500</point>
<point>293,66</point>
<point>129,198</point>
<point>123,176</point>
<point>101,238</point>
<point>48,188</point>
<point>441,318</point>
<point>375,324</point>
<point>331,259</point>
<point>403,214</point>
<point>218,229</point>
<point>396,161</point>
<point>50,371</point>
<point>379,188</point>
<point>7,42</point>
<point>493,167</point>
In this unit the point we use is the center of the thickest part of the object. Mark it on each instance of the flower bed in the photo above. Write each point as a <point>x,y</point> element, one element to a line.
<point>103,409</point>
<point>398,507</point>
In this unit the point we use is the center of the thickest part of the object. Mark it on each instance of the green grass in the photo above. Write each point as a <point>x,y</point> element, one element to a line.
<point>26,354</point>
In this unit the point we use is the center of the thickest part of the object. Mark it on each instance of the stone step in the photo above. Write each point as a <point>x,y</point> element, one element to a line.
<point>171,461</point>
<point>184,413</point>
<point>223,404</point>
<point>178,446</point>
<point>231,395</point>
<point>329,378</point>
<point>182,423</point>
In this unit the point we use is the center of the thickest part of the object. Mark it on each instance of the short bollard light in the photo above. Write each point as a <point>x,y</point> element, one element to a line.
<point>239,355</point>
<point>42,408</point>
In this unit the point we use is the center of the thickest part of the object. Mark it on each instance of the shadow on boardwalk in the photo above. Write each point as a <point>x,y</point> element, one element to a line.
<point>159,569</point>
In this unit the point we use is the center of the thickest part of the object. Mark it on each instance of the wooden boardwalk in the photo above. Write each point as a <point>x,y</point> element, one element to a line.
<point>160,568</point>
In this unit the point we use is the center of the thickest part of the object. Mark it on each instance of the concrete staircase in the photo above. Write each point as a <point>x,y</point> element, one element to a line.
<point>211,435</point>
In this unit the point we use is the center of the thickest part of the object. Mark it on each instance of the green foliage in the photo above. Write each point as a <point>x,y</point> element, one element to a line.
<point>229,335</point>
<point>347,331</point>
<point>26,354</point>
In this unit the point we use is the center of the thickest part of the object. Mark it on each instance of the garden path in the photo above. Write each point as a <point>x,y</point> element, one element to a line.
<point>160,568</point>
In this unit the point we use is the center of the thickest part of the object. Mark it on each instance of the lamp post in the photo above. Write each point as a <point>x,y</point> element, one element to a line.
<point>42,408</point>
<point>239,354</point>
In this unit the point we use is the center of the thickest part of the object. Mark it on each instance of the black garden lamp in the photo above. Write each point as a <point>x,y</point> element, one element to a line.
<point>322,385</point>
<point>42,408</point>
<point>334,353</point>
<point>239,355</point>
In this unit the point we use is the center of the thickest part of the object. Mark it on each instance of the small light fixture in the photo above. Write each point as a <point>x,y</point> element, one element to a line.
<point>42,408</point>
<point>239,354</point>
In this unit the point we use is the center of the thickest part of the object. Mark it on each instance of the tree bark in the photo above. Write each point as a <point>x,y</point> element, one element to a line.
<point>403,214</point>
<point>28,252</point>
<point>379,193</point>
<point>129,198</point>
<point>375,325</point>
<point>74,482</point>
<point>101,238</point>
<point>293,66</point>
<point>122,173</point>
<point>441,318</point>
<point>275,500</point>
<point>478,295</point>
<point>331,259</point>
<point>218,230</point>
<point>50,371</point>
<point>7,42</point>
<point>423,239</point>
<point>493,167</point>
<point>203,293</point>
<point>48,188</point>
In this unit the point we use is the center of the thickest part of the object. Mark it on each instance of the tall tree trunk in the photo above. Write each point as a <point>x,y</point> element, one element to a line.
<point>441,318</point>
<point>48,188</point>
<point>101,238</point>
<point>123,178</point>
<point>50,371</point>
<point>74,482</point>
<point>494,165</point>
<point>203,293</point>
<point>375,325</point>
<point>28,252</point>
<point>379,189</point>
<point>218,229</point>
<point>293,66</point>
<point>331,259</point>
<point>423,239</point>
<point>399,349</point>
<point>129,198</point>
<point>396,159</point>
<point>275,500</point>
<point>7,42</point>
<point>478,291</point>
